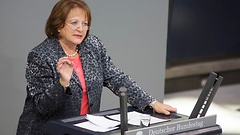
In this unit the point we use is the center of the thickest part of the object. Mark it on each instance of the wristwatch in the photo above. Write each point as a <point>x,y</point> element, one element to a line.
<point>66,87</point>
<point>152,103</point>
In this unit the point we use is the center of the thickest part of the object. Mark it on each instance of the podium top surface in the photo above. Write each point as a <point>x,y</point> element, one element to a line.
<point>66,126</point>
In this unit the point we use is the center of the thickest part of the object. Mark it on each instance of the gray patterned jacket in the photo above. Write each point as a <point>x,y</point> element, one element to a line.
<point>46,99</point>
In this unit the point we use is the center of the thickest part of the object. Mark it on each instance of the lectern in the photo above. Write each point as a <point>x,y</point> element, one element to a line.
<point>178,124</point>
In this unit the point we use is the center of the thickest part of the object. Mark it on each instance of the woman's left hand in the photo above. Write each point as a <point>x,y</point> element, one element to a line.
<point>163,108</point>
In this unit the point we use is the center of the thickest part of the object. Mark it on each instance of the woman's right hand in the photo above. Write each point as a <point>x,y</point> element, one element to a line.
<point>65,69</point>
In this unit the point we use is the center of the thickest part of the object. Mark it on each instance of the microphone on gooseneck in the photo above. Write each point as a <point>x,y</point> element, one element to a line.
<point>123,109</point>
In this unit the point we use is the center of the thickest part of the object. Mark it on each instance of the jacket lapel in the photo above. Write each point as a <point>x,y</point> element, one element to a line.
<point>84,51</point>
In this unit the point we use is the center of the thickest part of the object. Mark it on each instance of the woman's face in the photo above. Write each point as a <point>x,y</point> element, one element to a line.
<point>75,28</point>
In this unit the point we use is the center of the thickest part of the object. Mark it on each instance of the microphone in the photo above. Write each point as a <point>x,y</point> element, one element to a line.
<point>123,110</point>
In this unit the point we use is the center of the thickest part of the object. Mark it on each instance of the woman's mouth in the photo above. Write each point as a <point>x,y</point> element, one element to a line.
<point>77,36</point>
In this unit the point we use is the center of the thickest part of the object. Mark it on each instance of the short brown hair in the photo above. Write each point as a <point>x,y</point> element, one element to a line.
<point>59,13</point>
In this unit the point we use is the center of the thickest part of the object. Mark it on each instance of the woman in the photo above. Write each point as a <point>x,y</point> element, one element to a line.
<point>67,71</point>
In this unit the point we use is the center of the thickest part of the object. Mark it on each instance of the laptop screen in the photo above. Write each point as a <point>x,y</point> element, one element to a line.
<point>205,99</point>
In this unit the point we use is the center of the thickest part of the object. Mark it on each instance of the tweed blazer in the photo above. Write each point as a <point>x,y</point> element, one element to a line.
<point>46,99</point>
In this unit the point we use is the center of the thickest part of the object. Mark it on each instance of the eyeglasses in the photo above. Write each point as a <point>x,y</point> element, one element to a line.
<point>75,24</point>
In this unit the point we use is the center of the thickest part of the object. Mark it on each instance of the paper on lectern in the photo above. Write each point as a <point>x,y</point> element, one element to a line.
<point>134,118</point>
<point>102,121</point>
<point>98,123</point>
<point>90,126</point>
<point>103,124</point>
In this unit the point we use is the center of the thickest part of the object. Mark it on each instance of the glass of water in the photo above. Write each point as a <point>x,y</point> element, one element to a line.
<point>145,120</point>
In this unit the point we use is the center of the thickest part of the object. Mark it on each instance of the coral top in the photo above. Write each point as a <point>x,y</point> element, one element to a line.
<point>78,68</point>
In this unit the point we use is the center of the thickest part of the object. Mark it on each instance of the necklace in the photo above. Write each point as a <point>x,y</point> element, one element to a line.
<point>72,55</point>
